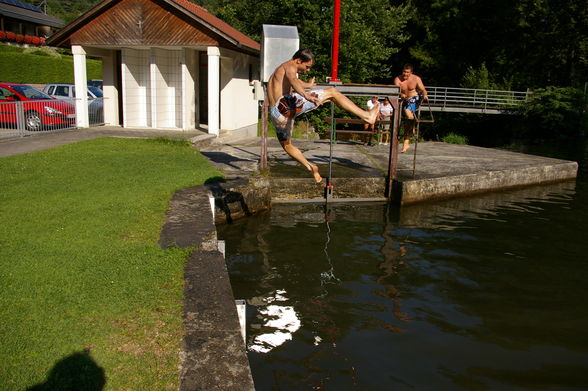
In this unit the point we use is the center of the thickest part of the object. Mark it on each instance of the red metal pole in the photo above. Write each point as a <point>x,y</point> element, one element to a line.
<point>335,48</point>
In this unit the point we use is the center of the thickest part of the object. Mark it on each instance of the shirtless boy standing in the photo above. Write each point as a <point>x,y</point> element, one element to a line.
<point>288,98</point>
<point>412,91</point>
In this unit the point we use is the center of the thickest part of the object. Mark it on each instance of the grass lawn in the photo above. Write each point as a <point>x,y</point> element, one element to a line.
<point>86,294</point>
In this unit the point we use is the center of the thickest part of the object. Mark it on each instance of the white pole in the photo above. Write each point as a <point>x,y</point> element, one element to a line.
<point>81,83</point>
<point>213,90</point>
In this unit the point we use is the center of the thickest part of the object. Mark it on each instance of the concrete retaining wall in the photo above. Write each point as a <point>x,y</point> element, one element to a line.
<point>419,190</point>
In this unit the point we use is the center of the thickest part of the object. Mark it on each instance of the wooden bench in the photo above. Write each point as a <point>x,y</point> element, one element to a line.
<point>356,121</point>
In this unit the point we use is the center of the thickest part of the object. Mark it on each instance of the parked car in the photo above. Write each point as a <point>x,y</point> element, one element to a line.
<point>68,91</point>
<point>95,83</point>
<point>63,91</point>
<point>39,109</point>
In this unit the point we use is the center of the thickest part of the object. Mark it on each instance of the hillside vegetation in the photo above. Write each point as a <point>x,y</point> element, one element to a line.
<point>41,66</point>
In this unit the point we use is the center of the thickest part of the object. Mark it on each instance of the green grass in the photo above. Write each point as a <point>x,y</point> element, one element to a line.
<point>80,268</point>
<point>17,66</point>
<point>453,138</point>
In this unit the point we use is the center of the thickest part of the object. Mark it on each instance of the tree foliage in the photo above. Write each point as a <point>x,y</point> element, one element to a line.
<point>68,10</point>
<point>528,43</point>
<point>372,31</point>
<point>562,108</point>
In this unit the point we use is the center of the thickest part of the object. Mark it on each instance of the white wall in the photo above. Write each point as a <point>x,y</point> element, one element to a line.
<point>239,109</point>
<point>136,85</point>
<point>166,88</point>
<point>189,81</point>
<point>111,115</point>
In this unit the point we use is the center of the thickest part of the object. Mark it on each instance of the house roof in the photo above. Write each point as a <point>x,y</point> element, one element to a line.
<point>193,14</point>
<point>216,23</point>
<point>29,13</point>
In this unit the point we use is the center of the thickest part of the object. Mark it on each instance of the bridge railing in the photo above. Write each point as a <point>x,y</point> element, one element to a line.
<point>460,99</point>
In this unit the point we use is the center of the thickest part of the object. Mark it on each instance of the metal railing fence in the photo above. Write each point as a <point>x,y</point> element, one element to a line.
<point>22,118</point>
<point>475,100</point>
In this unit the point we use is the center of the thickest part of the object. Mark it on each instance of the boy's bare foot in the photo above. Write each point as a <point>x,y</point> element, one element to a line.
<point>315,172</point>
<point>405,147</point>
<point>373,114</point>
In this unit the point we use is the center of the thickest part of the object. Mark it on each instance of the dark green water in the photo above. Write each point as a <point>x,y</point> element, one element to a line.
<point>481,293</point>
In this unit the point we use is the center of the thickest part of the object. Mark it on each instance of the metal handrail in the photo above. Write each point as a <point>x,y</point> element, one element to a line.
<point>475,98</point>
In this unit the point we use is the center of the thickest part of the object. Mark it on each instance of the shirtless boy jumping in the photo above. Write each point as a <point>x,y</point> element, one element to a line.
<point>288,98</point>
<point>412,91</point>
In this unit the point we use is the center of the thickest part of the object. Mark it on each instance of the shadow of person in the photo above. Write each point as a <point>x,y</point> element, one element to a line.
<point>223,198</point>
<point>76,372</point>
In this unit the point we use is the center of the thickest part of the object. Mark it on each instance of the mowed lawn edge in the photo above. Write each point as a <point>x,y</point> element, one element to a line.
<point>87,297</point>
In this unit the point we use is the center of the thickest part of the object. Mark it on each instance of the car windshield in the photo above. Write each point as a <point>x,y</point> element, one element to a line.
<point>96,91</point>
<point>30,92</point>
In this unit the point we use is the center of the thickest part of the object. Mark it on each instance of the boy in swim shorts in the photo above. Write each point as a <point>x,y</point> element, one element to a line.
<point>287,108</point>
<point>288,97</point>
<point>412,92</point>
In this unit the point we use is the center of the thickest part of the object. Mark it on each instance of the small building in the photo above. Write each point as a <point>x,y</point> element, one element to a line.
<point>167,64</point>
<point>25,24</point>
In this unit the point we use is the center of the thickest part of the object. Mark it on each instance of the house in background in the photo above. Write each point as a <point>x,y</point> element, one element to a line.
<point>166,64</point>
<point>24,23</point>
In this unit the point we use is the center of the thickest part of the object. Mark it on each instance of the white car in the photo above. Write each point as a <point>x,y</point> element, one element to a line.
<point>68,91</point>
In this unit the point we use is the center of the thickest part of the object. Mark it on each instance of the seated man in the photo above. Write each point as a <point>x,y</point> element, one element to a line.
<point>412,91</point>
<point>288,99</point>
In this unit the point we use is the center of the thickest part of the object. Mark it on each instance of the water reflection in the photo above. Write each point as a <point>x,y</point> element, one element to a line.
<point>481,293</point>
<point>279,322</point>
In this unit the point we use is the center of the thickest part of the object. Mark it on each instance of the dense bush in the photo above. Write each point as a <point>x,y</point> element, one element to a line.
<point>556,111</point>
<point>453,138</point>
<point>19,66</point>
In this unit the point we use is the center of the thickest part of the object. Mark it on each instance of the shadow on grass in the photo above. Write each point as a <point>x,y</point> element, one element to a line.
<point>75,372</point>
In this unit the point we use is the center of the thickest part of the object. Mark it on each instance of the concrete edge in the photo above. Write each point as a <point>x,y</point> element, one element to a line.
<point>420,190</point>
<point>331,200</point>
<point>213,352</point>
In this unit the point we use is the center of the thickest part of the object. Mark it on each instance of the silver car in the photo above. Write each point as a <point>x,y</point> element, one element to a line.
<point>68,91</point>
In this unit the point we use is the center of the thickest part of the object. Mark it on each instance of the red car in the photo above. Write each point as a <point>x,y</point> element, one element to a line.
<point>39,110</point>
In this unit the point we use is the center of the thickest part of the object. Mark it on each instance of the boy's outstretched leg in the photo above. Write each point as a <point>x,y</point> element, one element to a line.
<point>297,155</point>
<point>334,95</point>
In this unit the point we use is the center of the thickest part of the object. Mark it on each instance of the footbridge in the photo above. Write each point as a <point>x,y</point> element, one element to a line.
<point>471,100</point>
<point>448,99</point>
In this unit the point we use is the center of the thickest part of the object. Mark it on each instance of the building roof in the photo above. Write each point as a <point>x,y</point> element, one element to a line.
<point>190,13</point>
<point>29,13</point>
<point>216,23</point>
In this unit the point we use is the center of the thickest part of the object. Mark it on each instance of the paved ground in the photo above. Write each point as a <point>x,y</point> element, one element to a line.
<point>38,142</point>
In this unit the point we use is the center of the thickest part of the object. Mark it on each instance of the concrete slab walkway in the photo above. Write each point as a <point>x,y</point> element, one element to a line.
<point>439,170</point>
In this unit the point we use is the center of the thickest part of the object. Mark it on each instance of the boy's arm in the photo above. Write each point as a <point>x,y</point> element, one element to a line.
<point>397,83</point>
<point>422,89</point>
<point>298,85</point>
<point>309,84</point>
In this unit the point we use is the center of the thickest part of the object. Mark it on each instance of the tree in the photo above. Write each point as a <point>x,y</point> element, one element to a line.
<point>69,10</point>
<point>530,43</point>
<point>371,31</point>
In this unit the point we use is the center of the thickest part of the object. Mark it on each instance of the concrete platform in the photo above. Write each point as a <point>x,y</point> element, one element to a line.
<point>359,172</point>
